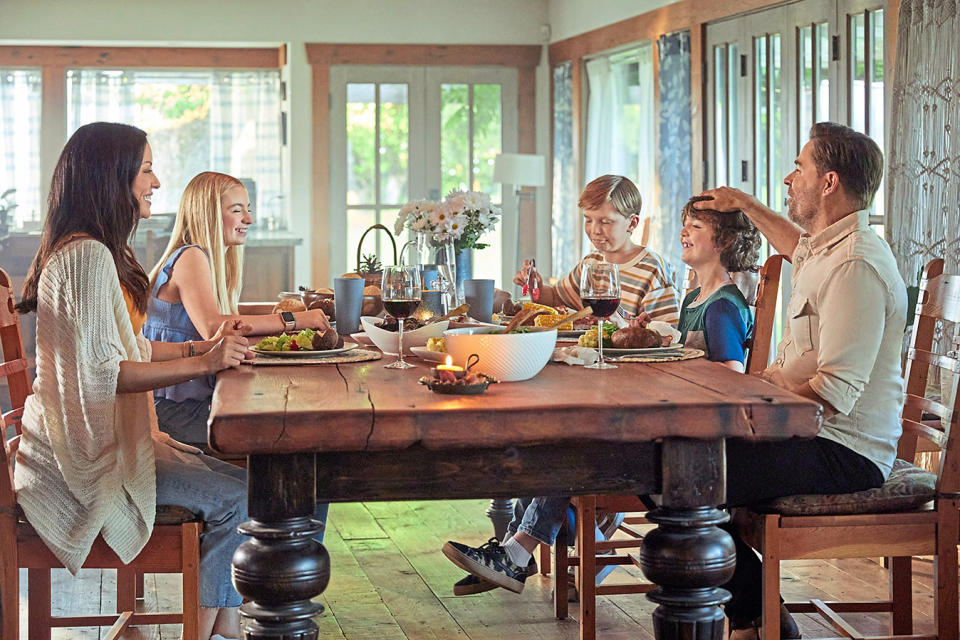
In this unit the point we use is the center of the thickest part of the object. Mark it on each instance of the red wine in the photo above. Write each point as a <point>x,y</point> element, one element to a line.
<point>401,308</point>
<point>602,307</point>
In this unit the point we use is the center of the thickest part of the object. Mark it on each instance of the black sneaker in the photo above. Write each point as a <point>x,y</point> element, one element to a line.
<point>489,561</point>
<point>470,584</point>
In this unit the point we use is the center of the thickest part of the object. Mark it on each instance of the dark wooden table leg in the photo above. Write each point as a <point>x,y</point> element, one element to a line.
<point>687,555</point>
<point>282,567</point>
<point>500,513</point>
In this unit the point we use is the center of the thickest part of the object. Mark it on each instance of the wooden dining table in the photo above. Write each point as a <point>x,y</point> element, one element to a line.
<point>359,432</point>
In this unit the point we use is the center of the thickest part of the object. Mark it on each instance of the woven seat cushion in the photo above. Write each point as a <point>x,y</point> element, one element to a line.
<point>908,487</point>
<point>167,514</point>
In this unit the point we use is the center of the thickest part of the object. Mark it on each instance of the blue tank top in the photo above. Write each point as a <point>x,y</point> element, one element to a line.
<point>169,322</point>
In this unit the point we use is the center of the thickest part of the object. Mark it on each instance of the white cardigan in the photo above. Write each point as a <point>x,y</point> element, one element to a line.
<point>86,461</point>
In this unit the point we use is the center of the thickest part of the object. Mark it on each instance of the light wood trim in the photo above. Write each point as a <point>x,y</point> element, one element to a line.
<point>53,118</point>
<point>235,58</point>
<point>320,221</point>
<point>650,26</point>
<point>324,53</point>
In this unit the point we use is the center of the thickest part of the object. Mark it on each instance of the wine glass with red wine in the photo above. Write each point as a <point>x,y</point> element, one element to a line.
<point>401,296</point>
<point>600,290</point>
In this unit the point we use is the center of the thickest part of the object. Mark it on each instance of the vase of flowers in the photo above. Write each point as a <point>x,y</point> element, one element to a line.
<point>453,226</point>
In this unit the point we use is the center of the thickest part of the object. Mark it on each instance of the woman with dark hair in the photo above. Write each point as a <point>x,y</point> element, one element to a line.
<point>715,316</point>
<point>92,460</point>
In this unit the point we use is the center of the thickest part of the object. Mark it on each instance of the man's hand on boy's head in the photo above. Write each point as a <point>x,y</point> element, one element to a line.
<point>724,199</point>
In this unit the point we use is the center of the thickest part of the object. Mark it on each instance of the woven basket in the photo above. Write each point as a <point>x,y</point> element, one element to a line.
<point>374,278</point>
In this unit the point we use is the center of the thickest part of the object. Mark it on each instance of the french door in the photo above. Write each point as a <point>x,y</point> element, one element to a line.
<point>402,133</point>
<point>771,75</point>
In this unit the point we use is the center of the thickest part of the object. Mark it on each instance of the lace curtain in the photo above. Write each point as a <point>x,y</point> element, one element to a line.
<point>923,175</point>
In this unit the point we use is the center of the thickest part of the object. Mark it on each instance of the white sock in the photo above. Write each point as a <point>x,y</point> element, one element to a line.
<point>517,554</point>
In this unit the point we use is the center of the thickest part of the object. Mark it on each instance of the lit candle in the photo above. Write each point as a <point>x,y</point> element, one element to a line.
<point>449,366</point>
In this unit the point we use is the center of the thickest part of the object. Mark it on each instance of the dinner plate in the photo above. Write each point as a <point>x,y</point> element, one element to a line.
<point>349,346</point>
<point>673,348</point>
<point>425,354</point>
<point>576,333</point>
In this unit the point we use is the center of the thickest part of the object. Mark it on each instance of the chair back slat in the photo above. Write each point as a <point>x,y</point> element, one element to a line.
<point>939,300</point>
<point>767,290</point>
<point>926,405</point>
<point>11,345</point>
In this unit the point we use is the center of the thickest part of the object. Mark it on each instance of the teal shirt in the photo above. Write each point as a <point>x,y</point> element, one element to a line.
<point>720,325</point>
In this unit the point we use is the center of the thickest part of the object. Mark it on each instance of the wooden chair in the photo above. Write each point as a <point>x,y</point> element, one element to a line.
<point>592,555</point>
<point>174,546</point>
<point>827,529</point>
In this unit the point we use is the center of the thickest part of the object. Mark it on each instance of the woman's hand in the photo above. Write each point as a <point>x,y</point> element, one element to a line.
<point>313,319</point>
<point>523,276</point>
<point>229,351</point>
<point>231,328</point>
<point>641,320</point>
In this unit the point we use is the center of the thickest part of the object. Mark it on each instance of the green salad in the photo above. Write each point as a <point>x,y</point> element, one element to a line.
<point>589,339</point>
<point>302,341</point>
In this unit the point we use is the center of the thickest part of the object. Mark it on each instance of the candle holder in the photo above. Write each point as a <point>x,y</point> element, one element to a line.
<point>456,380</point>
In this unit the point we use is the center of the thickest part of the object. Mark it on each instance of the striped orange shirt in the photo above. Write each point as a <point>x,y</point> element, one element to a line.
<point>644,286</point>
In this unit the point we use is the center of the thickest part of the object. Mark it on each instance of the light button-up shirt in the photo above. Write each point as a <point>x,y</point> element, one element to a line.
<point>845,324</point>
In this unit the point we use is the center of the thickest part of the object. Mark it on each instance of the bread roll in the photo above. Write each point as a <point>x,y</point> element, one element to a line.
<point>372,290</point>
<point>289,304</point>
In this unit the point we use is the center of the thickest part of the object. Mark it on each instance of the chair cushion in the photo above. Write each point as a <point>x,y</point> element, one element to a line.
<point>167,514</point>
<point>908,487</point>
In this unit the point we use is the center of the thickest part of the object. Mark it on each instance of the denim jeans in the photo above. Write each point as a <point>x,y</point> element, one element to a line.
<point>539,517</point>
<point>218,494</point>
<point>186,421</point>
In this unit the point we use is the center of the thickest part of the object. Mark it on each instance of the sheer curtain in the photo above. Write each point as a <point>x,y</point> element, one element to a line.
<point>20,145</point>
<point>196,120</point>
<point>565,223</point>
<point>923,161</point>
<point>620,122</point>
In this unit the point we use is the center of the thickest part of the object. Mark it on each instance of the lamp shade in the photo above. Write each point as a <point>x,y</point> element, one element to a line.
<point>520,169</point>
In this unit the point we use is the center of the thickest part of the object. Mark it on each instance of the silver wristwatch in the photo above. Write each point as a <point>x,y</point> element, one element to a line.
<point>289,321</point>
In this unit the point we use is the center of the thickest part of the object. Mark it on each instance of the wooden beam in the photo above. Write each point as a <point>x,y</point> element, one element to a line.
<point>322,53</point>
<point>174,57</point>
<point>649,26</point>
<point>53,116</point>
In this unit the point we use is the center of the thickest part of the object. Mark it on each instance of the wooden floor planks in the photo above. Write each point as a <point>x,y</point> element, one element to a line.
<point>390,581</point>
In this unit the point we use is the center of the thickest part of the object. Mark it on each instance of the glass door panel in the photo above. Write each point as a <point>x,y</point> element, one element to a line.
<point>476,114</point>
<point>376,114</point>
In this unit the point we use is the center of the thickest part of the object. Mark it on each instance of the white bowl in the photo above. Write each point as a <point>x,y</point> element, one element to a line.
<point>508,358</point>
<point>386,341</point>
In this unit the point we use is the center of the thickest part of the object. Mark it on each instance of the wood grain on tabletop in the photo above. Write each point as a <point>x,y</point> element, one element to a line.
<point>363,406</point>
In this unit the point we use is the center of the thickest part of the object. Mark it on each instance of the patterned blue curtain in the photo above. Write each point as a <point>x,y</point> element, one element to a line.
<point>673,158</point>
<point>565,216</point>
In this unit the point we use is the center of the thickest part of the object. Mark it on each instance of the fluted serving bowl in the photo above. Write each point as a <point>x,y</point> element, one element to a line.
<point>386,341</point>
<point>508,358</point>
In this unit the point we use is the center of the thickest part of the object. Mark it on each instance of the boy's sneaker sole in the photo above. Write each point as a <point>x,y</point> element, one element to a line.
<point>469,565</point>
<point>471,584</point>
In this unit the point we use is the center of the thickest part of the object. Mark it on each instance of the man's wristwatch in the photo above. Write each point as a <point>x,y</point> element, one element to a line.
<point>289,321</point>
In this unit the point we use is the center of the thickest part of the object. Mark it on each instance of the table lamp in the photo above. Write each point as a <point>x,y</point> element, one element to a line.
<point>520,170</point>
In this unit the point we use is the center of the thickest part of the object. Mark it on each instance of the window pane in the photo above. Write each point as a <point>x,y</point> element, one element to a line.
<point>454,136</point>
<point>876,98</point>
<point>394,133</point>
<point>776,127</point>
<point>858,63</point>
<point>823,77</point>
<point>227,121</point>
<point>361,143</point>
<point>720,115</point>
<point>761,98</point>
<point>487,138</point>
<point>805,37</point>
<point>733,129</point>
<point>20,191</point>
<point>358,221</point>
